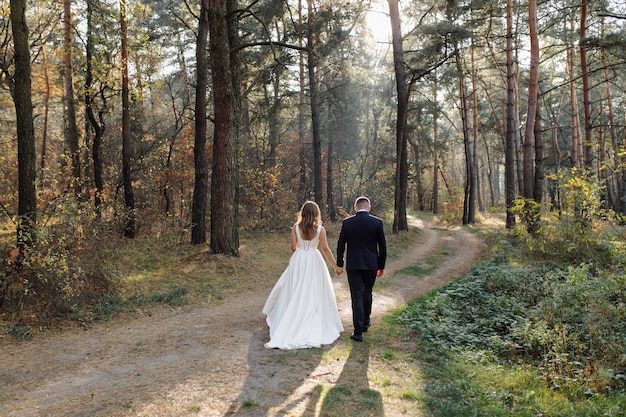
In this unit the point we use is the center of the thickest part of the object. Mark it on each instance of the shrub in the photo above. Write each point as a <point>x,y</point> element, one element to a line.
<point>52,282</point>
<point>568,321</point>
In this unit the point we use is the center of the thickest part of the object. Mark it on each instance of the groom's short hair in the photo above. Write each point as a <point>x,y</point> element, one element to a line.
<point>362,202</point>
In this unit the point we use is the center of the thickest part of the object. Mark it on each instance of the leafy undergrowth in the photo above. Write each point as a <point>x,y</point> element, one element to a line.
<point>526,333</point>
<point>71,278</point>
<point>114,276</point>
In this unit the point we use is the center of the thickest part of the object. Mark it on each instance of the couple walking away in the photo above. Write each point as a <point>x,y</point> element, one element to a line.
<point>301,308</point>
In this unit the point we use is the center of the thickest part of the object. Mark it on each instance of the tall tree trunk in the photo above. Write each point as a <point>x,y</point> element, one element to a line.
<point>201,168</point>
<point>575,125</point>
<point>509,148</point>
<point>46,114</point>
<point>519,165</point>
<point>533,85</point>
<point>97,123</point>
<point>554,189</point>
<point>315,110</point>
<point>72,128</point>
<point>232,23</point>
<point>330,201</point>
<point>584,68</point>
<point>419,202</point>
<point>475,172</point>
<point>618,178</point>
<point>469,203</point>
<point>623,185</point>
<point>539,179</point>
<point>223,185</point>
<point>435,200</point>
<point>22,98</point>
<point>179,124</point>
<point>402,164</point>
<point>302,185</point>
<point>130,226</point>
<point>273,120</point>
<point>490,173</point>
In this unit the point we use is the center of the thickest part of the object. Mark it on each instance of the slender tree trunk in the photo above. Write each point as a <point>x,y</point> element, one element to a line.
<point>224,240</point>
<point>130,226</point>
<point>402,164</point>
<point>273,120</point>
<point>435,202</point>
<point>555,194</point>
<point>315,110</point>
<point>26,158</point>
<point>509,149</point>
<point>539,179</point>
<point>97,123</point>
<point>533,85</point>
<point>490,173</point>
<point>46,114</point>
<point>575,125</point>
<point>201,169</point>
<point>302,185</point>
<point>418,194</point>
<point>623,185</point>
<point>475,171</point>
<point>72,128</point>
<point>232,24</point>
<point>179,124</point>
<point>519,166</point>
<point>469,209</point>
<point>615,145</point>
<point>603,165</point>
<point>584,68</point>
<point>330,202</point>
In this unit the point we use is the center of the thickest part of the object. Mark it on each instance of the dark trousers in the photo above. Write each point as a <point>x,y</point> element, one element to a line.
<point>361,283</point>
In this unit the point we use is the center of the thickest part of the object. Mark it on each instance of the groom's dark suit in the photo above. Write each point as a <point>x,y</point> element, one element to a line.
<point>367,252</point>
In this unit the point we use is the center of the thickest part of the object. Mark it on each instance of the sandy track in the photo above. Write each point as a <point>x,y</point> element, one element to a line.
<point>203,361</point>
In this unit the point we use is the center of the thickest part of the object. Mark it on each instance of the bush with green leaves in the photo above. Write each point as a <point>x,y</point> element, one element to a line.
<point>529,212</point>
<point>49,282</point>
<point>567,321</point>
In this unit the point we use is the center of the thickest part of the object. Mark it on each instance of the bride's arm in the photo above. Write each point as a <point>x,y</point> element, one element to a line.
<point>328,253</point>
<point>294,239</point>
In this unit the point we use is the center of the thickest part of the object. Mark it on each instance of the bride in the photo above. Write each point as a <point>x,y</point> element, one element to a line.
<point>301,308</point>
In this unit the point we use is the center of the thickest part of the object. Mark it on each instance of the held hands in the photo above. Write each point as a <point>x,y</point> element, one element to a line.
<point>338,270</point>
<point>379,273</point>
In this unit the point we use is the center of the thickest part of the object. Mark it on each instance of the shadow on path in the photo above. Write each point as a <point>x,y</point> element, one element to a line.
<point>352,395</point>
<point>274,377</point>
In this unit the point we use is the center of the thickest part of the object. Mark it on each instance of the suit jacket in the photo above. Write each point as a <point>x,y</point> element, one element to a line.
<point>365,238</point>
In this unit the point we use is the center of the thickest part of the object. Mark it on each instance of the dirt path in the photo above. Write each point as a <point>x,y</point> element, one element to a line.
<point>199,360</point>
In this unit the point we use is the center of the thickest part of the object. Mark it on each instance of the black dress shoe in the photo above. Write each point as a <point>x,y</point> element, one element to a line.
<point>367,326</point>
<point>356,337</point>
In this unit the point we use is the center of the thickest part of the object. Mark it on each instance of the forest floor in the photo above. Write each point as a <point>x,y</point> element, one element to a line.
<point>208,359</point>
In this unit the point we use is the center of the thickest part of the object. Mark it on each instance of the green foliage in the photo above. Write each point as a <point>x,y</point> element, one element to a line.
<point>563,323</point>
<point>452,210</point>
<point>529,212</point>
<point>176,296</point>
<point>70,274</point>
<point>49,282</point>
<point>570,245</point>
<point>578,237</point>
<point>583,198</point>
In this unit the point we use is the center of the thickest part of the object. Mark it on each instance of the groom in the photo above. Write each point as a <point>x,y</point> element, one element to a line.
<point>365,261</point>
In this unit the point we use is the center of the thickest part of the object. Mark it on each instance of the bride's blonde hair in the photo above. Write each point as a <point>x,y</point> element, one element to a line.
<point>309,218</point>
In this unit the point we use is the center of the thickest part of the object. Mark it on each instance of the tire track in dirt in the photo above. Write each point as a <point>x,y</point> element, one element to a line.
<point>173,361</point>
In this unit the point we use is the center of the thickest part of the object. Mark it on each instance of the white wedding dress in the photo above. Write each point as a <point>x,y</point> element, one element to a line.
<point>301,308</point>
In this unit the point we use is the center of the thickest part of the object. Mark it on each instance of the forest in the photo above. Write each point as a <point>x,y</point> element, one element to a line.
<point>156,152</point>
<point>209,119</point>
